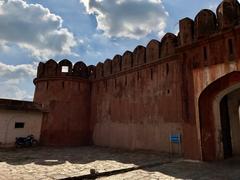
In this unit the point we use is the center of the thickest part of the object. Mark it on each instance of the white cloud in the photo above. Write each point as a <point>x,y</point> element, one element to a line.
<point>14,92</point>
<point>4,47</point>
<point>14,79</point>
<point>17,71</point>
<point>34,27</point>
<point>128,18</point>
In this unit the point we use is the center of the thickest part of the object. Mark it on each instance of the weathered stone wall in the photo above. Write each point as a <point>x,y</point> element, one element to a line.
<point>138,99</point>
<point>66,98</point>
<point>201,43</point>
<point>139,109</point>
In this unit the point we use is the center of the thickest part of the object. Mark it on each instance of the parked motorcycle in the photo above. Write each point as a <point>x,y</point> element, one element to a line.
<point>28,141</point>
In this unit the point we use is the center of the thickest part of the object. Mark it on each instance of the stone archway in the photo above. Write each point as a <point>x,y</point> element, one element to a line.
<point>210,114</point>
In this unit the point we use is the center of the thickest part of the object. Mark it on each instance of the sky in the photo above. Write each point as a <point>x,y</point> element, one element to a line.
<point>79,30</point>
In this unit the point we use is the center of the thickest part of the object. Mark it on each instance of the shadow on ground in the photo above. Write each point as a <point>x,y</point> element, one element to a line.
<point>76,155</point>
<point>218,170</point>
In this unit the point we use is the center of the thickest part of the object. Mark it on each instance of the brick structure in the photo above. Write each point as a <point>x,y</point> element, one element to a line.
<point>137,100</point>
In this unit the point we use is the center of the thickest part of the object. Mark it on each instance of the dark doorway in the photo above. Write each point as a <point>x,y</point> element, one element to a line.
<point>209,118</point>
<point>226,129</point>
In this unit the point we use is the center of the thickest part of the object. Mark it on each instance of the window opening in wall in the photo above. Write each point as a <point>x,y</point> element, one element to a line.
<point>19,125</point>
<point>65,69</point>
<point>138,75</point>
<point>145,58</point>
<point>205,53</point>
<point>63,84</point>
<point>151,74</point>
<point>115,83</point>
<point>120,65</point>
<point>230,47</point>
<point>168,91</point>
<point>167,69</point>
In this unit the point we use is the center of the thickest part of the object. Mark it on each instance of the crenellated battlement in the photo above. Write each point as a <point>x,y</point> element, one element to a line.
<point>65,68</point>
<point>205,24</point>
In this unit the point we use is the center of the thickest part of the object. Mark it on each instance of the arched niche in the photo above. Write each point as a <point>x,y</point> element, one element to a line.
<point>92,71</point>
<point>139,55</point>
<point>99,70</point>
<point>186,32</point>
<point>228,13</point>
<point>153,51</point>
<point>51,68</point>
<point>127,60</point>
<point>40,70</point>
<point>64,67</point>
<point>205,24</point>
<point>107,67</point>
<point>168,44</point>
<point>117,64</point>
<point>80,69</point>
<point>210,114</point>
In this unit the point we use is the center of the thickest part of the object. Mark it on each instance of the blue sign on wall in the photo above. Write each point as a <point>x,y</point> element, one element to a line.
<point>175,138</point>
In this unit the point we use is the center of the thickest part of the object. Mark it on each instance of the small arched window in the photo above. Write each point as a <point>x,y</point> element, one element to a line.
<point>65,69</point>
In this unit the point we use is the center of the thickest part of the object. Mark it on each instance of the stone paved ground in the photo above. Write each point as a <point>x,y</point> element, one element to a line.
<point>224,170</point>
<point>54,163</point>
<point>57,163</point>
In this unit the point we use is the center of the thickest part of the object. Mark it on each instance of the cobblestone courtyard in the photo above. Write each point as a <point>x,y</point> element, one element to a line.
<point>58,163</point>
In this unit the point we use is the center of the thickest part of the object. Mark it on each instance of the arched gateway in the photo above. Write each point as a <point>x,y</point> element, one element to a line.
<point>219,117</point>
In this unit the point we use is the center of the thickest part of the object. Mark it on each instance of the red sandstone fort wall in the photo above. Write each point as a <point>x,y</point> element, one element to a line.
<point>135,101</point>
<point>66,100</point>
<point>139,109</point>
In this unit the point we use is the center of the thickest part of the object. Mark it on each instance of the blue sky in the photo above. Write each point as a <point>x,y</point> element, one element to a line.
<point>87,30</point>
